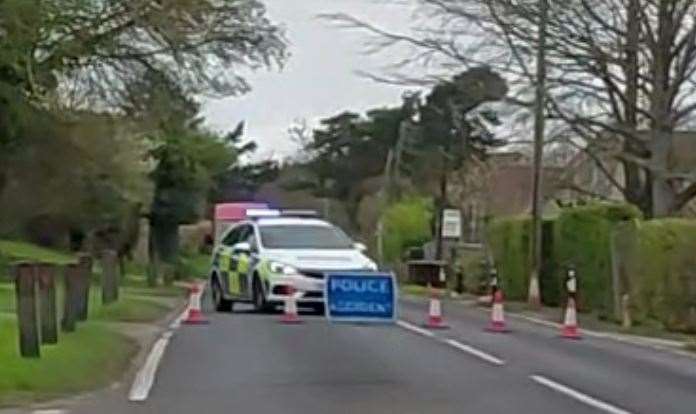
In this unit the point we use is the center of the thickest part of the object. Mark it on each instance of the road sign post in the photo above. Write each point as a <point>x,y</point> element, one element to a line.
<point>361,297</point>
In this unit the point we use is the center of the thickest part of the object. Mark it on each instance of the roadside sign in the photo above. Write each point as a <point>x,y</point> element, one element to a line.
<point>451,224</point>
<point>360,297</point>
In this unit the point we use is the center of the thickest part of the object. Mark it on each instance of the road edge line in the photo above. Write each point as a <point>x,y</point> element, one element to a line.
<point>145,378</point>
<point>577,395</point>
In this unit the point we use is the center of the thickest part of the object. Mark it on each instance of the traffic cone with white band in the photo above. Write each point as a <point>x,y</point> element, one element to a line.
<point>435,320</point>
<point>570,322</point>
<point>497,314</point>
<point>290,315</point>
<point>195,315</point>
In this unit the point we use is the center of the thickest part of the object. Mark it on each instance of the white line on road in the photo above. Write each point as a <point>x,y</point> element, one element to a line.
<point>413,328</point>
<point>475,352</point>
<point>146,376</point>
<point>577,395</point>
<point>145,379</point>
<point>49,411</point>
<point>451,342</point>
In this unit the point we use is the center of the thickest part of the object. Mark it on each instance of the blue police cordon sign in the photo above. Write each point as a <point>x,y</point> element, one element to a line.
<point>360,297</point>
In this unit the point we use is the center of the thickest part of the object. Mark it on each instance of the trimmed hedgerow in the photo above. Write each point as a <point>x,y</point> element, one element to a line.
<point>661,267</point>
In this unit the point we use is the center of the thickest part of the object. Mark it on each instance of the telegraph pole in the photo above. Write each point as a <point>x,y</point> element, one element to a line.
<point>534,296</point>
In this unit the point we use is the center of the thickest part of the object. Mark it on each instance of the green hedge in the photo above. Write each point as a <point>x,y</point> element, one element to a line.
<point>578,236</point>
<point>582,239</point>
<point>508,239</point>
<point>406,224</point>
<point>661,267</point>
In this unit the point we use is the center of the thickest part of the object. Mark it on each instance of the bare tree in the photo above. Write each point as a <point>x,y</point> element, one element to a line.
<point>620,75</point>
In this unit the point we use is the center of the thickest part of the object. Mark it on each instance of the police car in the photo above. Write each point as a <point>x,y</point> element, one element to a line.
<point>272,253</point>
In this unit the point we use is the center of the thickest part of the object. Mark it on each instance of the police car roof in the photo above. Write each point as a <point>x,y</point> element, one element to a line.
<point>291,221</point>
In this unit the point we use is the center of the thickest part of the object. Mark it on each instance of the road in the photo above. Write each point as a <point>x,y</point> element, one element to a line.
<point>249,363</point>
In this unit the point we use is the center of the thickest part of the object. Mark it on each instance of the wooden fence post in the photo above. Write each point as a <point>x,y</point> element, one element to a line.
<point>109,279</point>
<point>25,288</point>
<point>46,274</point>
<point>71,298</point>
<point>84,284</point>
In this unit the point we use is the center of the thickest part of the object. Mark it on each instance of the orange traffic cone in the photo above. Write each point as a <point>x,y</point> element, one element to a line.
<point>497,314</point>
<point>195,316</point>
<point>290,315</point>
<point>435,320</point>
<point>570,322</point>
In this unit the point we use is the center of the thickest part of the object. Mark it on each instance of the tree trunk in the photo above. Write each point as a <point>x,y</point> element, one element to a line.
<point>663,195</point>
<point>165,235</point>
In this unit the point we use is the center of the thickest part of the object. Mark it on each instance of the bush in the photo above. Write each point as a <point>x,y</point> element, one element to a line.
<point>508,239</point>
<point>661,267</point>
<point>582,239</point>
<point>579,236</point>
<point>406,224</point>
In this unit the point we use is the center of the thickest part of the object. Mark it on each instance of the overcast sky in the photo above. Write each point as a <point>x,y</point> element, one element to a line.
<point>319,79</point>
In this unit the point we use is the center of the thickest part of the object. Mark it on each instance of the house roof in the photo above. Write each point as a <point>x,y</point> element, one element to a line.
<point>510,188</point>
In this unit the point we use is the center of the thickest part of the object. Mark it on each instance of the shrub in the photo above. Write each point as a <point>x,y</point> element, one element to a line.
<point>582,239</point>
<point>579,236</point>
<point>406,224</point>
<point>508,239</point>
<point>661,268</point>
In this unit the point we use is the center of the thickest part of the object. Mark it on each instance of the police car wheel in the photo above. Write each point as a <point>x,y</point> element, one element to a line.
<point>221,304</point>
<point>260,304</point>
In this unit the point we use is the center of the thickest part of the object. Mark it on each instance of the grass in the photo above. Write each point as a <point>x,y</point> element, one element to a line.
<point>7,297</point>
<point>416,290</point>
<point>194,265</point>
<point>132,309</point>
<point>15,250</point>
<point>89,358</point>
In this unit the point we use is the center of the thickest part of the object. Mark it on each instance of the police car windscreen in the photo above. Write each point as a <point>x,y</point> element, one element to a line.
<point>304,237</point>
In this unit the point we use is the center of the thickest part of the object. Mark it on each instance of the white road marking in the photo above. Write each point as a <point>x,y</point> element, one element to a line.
<point>451,342</point>
<point>49,411</point>
<point>145,379</point>
<point>475,352</point>
<point>143,382</point>
<point>577,395</point>
<point>413,328</point>
<point>177,322</point>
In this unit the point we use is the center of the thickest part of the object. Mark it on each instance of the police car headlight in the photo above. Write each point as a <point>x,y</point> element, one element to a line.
<point>281,268</point>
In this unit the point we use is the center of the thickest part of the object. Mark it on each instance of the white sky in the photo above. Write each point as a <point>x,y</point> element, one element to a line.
<point>319,79</point>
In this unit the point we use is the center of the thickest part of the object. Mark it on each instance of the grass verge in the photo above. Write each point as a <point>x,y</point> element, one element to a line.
<point>16,250</point>
<point>133,309</point>
<point>87,359</point>
<point>96,354</point>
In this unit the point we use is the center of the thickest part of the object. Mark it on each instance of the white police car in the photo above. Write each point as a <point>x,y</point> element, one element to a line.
<point>259,260</point>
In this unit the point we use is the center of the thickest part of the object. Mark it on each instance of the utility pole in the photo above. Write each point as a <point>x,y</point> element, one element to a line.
<point>383,204</point>
<point>534,296</point>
